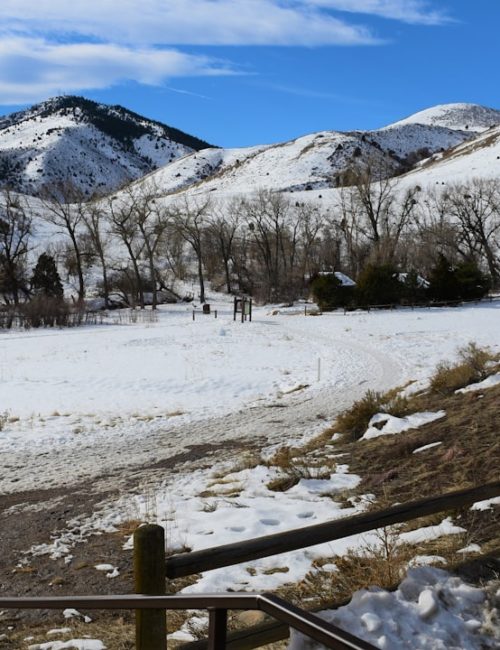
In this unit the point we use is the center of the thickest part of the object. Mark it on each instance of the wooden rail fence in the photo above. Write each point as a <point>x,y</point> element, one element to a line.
<point>151,567</point>
<point>186,564</point>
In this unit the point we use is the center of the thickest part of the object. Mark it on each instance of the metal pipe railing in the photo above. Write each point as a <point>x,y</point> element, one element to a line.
<point>217,604</point>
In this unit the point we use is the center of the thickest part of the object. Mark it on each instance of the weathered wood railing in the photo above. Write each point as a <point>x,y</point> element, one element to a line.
<point>151,567</point>
<point>186,564</point>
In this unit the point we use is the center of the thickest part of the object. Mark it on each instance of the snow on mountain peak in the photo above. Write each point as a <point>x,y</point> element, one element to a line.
<point>459,117</point>
<point>97,147</point>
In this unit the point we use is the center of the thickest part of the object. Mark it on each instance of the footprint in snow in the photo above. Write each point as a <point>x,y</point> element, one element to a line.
<point>270,522</point>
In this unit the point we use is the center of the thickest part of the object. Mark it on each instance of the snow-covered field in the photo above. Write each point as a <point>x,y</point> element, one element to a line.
<point>83,399</point>
<point>77,387</point>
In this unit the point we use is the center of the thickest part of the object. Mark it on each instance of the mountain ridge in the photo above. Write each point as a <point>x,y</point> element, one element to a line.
<point>101,148</point>
<point>97,147</point>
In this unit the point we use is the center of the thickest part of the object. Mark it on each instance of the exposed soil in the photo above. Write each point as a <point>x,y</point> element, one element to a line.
<point>78,480</point>
<point>33,517</point>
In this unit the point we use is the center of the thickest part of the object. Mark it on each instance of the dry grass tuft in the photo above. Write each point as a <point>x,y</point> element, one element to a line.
<point>128,527</point>
<point>116,633</point>
<point>354,421</point>
<point>473,365</point>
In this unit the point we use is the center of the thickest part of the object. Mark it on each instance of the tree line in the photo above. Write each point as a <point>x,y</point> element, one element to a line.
<point>138,243</point>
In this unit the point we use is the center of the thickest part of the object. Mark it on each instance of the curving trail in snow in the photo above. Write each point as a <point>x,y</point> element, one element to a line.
<point>106,401</point>
<point>248,392</point>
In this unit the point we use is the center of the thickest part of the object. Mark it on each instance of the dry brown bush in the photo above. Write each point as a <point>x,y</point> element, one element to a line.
<point>473,365</point>
<point>355,420</point>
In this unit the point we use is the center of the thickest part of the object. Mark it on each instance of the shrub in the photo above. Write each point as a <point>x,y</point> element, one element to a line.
<point>476,358</point>
<point>463,282</point>
<point>443,280</point>
<point>450,377</point>
<point>329,292</point>
<point>413,290</point>
<point>472,283</point>
<point>355,420</point>
<point>379,285</point>
<point>44,311</point>
<point>471,367</point>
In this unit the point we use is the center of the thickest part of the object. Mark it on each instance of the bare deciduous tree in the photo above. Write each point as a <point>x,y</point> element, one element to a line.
<point>222,229</point>
<point>15,233</point>
<point>63,205</point>
<point>476,208</point>
<point>94,219</point>
<point>190,220</point>
<point>123,223</point>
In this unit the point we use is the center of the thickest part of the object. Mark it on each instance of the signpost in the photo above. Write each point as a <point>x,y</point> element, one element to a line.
<point>243,306</point>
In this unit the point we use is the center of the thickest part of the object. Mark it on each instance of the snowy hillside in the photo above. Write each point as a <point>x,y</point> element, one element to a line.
<point>461,117</point>
<point>317,162</point>
<point>100,148</point>
<point>478,158</point>
<point>97,147</point>
<point>312,162</point>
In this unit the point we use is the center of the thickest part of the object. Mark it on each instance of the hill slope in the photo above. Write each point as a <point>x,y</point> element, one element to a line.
<point>319,161</point>
<point>96,147</point>
<point>462,117</point>
<point>477,158</point>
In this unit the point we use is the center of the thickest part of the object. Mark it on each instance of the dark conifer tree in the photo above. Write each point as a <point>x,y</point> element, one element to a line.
<point>45,280</point>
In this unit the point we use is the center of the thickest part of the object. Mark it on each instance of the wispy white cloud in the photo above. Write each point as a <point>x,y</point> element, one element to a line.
<point>53,46</point>
<point>31,68</point>
<point>300,91</point>
<point>186,22</point>
<point>418,12</point>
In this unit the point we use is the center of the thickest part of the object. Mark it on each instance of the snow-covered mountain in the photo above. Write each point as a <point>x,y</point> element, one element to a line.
<point>97,147</point>
<point>460,117</point>
<point>321,160</point>
<point>100,148</point>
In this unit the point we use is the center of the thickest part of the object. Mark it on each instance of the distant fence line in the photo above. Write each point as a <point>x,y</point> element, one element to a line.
<point>12,318</point>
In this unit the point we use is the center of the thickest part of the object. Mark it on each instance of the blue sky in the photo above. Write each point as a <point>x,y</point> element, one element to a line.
<point>242,72</point>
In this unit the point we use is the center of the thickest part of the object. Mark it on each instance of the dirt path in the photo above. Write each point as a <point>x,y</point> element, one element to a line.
<point>43,493</point>
<point>120,456</point>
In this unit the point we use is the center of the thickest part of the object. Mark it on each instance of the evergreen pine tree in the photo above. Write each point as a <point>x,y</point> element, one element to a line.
<point>378,284</point>
<point>443,280</point>
<point>45,280</point>
<point>472,281</point>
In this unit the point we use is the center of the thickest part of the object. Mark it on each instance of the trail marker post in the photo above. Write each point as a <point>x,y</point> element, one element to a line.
<point>243,306</point>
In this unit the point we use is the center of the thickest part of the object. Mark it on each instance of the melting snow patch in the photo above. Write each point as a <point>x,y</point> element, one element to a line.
<point>487,504</point>
<point>73,644</point>
<point>426,447</point>
<point>74,613</point>
<point>471,548</point>
<point>431,610</point>
<point>428,533</point>
<point>383,424</point>
<point>425,560</point>
<point>112,571</point>
<point>489,382</point>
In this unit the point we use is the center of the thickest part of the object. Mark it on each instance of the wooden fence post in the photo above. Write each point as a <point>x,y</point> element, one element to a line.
<point>149,577</point>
